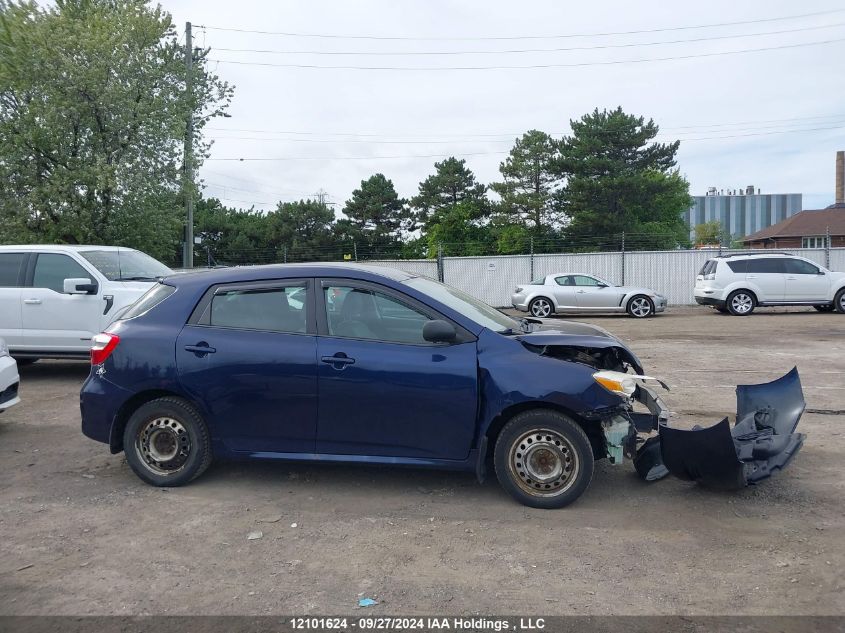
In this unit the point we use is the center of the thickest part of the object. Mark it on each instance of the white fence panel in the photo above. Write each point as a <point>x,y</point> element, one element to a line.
<point>605,265</point>
<point>671,273</point>
<point>837,259</point>
<point>491,279</point>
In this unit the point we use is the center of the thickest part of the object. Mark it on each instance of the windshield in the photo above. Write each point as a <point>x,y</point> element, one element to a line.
<point>461,302</point>
<point>126,265</point>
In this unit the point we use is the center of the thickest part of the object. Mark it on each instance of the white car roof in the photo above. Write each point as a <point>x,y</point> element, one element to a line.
<point>62,247</point>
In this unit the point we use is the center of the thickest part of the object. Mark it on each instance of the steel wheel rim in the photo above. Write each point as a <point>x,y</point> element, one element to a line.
<point>640,307</point>
<point>543,463</point>
<point>741,303</point>
<point>541,308</point>
<point>164,445</point>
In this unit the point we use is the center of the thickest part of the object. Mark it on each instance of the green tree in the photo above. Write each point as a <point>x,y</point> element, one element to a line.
<point>304,228</point>
<point>92,119</point>
<point>618,180</point>
<point>709,233</point>
<point>232,236</point>
<point>529,180</point>
<point>376,217</point>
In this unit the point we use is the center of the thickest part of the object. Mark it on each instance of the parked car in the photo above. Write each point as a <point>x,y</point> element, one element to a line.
<point>737,284</point>
<point>9,379</point>
<point>576,292</point>
<point>54,298</point>
<point>353,363</point>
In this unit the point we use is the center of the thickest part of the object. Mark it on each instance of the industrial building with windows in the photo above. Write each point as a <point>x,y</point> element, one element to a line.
<point>742,212</point>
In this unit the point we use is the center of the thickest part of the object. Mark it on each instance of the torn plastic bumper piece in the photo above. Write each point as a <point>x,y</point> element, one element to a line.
<point>762,442</point>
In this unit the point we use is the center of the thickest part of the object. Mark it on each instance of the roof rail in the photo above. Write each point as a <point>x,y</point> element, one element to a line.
<point>756,252</point>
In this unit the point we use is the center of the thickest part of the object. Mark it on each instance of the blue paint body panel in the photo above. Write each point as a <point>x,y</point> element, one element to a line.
<point>268,395</point>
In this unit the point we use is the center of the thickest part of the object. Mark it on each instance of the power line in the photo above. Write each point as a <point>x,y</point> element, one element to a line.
<point>529,50</point>
<point>525,37</point>
<point>535,66</point>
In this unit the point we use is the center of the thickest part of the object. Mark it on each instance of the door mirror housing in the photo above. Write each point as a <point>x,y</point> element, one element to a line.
<point>79,286</point>
<point>601,285</point>
<point>439,331</point>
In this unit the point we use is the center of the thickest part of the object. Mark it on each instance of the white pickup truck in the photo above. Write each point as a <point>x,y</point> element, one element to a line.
<point>54,298</point>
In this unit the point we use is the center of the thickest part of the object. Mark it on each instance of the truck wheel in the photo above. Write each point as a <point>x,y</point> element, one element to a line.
<point>740,303</point>
<point>839,301</point>
<point>540,307</point>
<point>166,442</point>
<point>543,459</point>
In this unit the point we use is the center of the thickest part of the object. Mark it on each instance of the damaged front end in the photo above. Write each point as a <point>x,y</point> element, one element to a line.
<point>762,441</point>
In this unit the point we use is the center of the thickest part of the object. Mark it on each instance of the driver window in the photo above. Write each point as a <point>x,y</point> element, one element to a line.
<point>583,280</point>
<point>51,270</point>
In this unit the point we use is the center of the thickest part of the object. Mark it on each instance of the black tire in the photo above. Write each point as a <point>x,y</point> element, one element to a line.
<point>640,307</point>
<point>825,308</point>
<point>741,302</point>
<point>554,443</point>
<point>161,427</point>
<point>839,301</point>
<point>541,307</point>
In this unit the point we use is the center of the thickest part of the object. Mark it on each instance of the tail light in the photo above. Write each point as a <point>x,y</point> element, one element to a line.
<point>102,347</point>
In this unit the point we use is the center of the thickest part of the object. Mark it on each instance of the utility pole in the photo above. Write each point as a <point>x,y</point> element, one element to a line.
<point>321,196</point>
<point>188,182</point>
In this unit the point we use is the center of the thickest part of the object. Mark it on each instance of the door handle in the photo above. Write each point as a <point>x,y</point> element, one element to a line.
<point>339,362</point>
<point>580,292</point>
<point>793,278</point>
<point>751,276</point>
<point>200,349</point>
<point>32,302</point>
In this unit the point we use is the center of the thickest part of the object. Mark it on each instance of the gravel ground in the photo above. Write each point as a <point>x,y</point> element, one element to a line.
<point>80,534</point>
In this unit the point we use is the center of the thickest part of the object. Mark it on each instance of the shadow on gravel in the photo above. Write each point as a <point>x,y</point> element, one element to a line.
<point>54,369</point>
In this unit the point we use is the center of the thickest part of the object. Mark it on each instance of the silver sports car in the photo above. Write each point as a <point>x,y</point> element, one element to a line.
<point>577,292</point>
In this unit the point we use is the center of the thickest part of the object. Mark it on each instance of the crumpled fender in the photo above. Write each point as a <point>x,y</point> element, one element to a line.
<point>762,442</point>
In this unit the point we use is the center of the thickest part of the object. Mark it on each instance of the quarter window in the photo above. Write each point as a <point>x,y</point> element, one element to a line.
<point>10,269</point>
<point>362,313</point>
<point>277,309</point>
<point>566,280</point>
<point>52,269</point>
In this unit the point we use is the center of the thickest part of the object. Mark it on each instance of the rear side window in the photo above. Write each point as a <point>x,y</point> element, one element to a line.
<point>739,266</point>
<point>52,269</point>
<point>800,267</point>
<point>149,300</point>
<point>709,267</point>
<point>765,265</point>
<point>277,309</point>
<point>10,269</point>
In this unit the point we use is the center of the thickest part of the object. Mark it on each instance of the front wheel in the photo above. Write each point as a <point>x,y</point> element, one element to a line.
<point>543,459</point>
<point>167,443</point>
<point>839,301</point>
<point>640,307</point>
<point>740,303</point>
<point>541,307</point>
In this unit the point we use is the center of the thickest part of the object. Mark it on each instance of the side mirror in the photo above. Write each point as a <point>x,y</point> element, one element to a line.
<point>439,331</point>
<point>79,286</point>
<point>602,285</point>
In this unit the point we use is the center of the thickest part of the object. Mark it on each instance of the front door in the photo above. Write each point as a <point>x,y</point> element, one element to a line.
<point>52,320</point>
<point>383,389</point>
<point>593,294</point>
<point>248,355</point>
<point>805,281</point>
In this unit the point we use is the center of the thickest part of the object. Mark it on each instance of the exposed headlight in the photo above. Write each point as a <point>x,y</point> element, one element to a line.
<point>4,349</point>
<point>616,382</point>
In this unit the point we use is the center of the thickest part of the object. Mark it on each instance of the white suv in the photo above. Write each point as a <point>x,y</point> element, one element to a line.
<point>738,283</point>
<point>54,298</point>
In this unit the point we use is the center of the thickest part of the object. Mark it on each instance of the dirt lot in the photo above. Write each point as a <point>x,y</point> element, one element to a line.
<point>80,534</point>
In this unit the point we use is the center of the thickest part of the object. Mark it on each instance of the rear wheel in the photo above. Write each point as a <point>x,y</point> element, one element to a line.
<point>839,301</point>
<point>167,443</point>
<point>541,307</point>
<point>640,307</point>
<point>543,459</point>
<point>740,303</point>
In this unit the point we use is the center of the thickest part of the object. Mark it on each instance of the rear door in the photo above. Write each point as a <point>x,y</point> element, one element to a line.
<point>564,292</point>
<point>383,390</point>
<point>12,272</point>
<point>53,321</point>
<point>768,274</point>
<point>248,355</point>
<point>805,281</point>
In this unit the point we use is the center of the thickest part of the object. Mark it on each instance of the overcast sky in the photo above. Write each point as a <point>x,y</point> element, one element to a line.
<point>334,127</point>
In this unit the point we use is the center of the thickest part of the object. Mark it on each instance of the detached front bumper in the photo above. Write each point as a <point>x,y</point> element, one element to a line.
<point>762,441</point>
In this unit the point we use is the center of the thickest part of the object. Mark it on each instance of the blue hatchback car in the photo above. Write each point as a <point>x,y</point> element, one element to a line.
<point>354,363</point>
